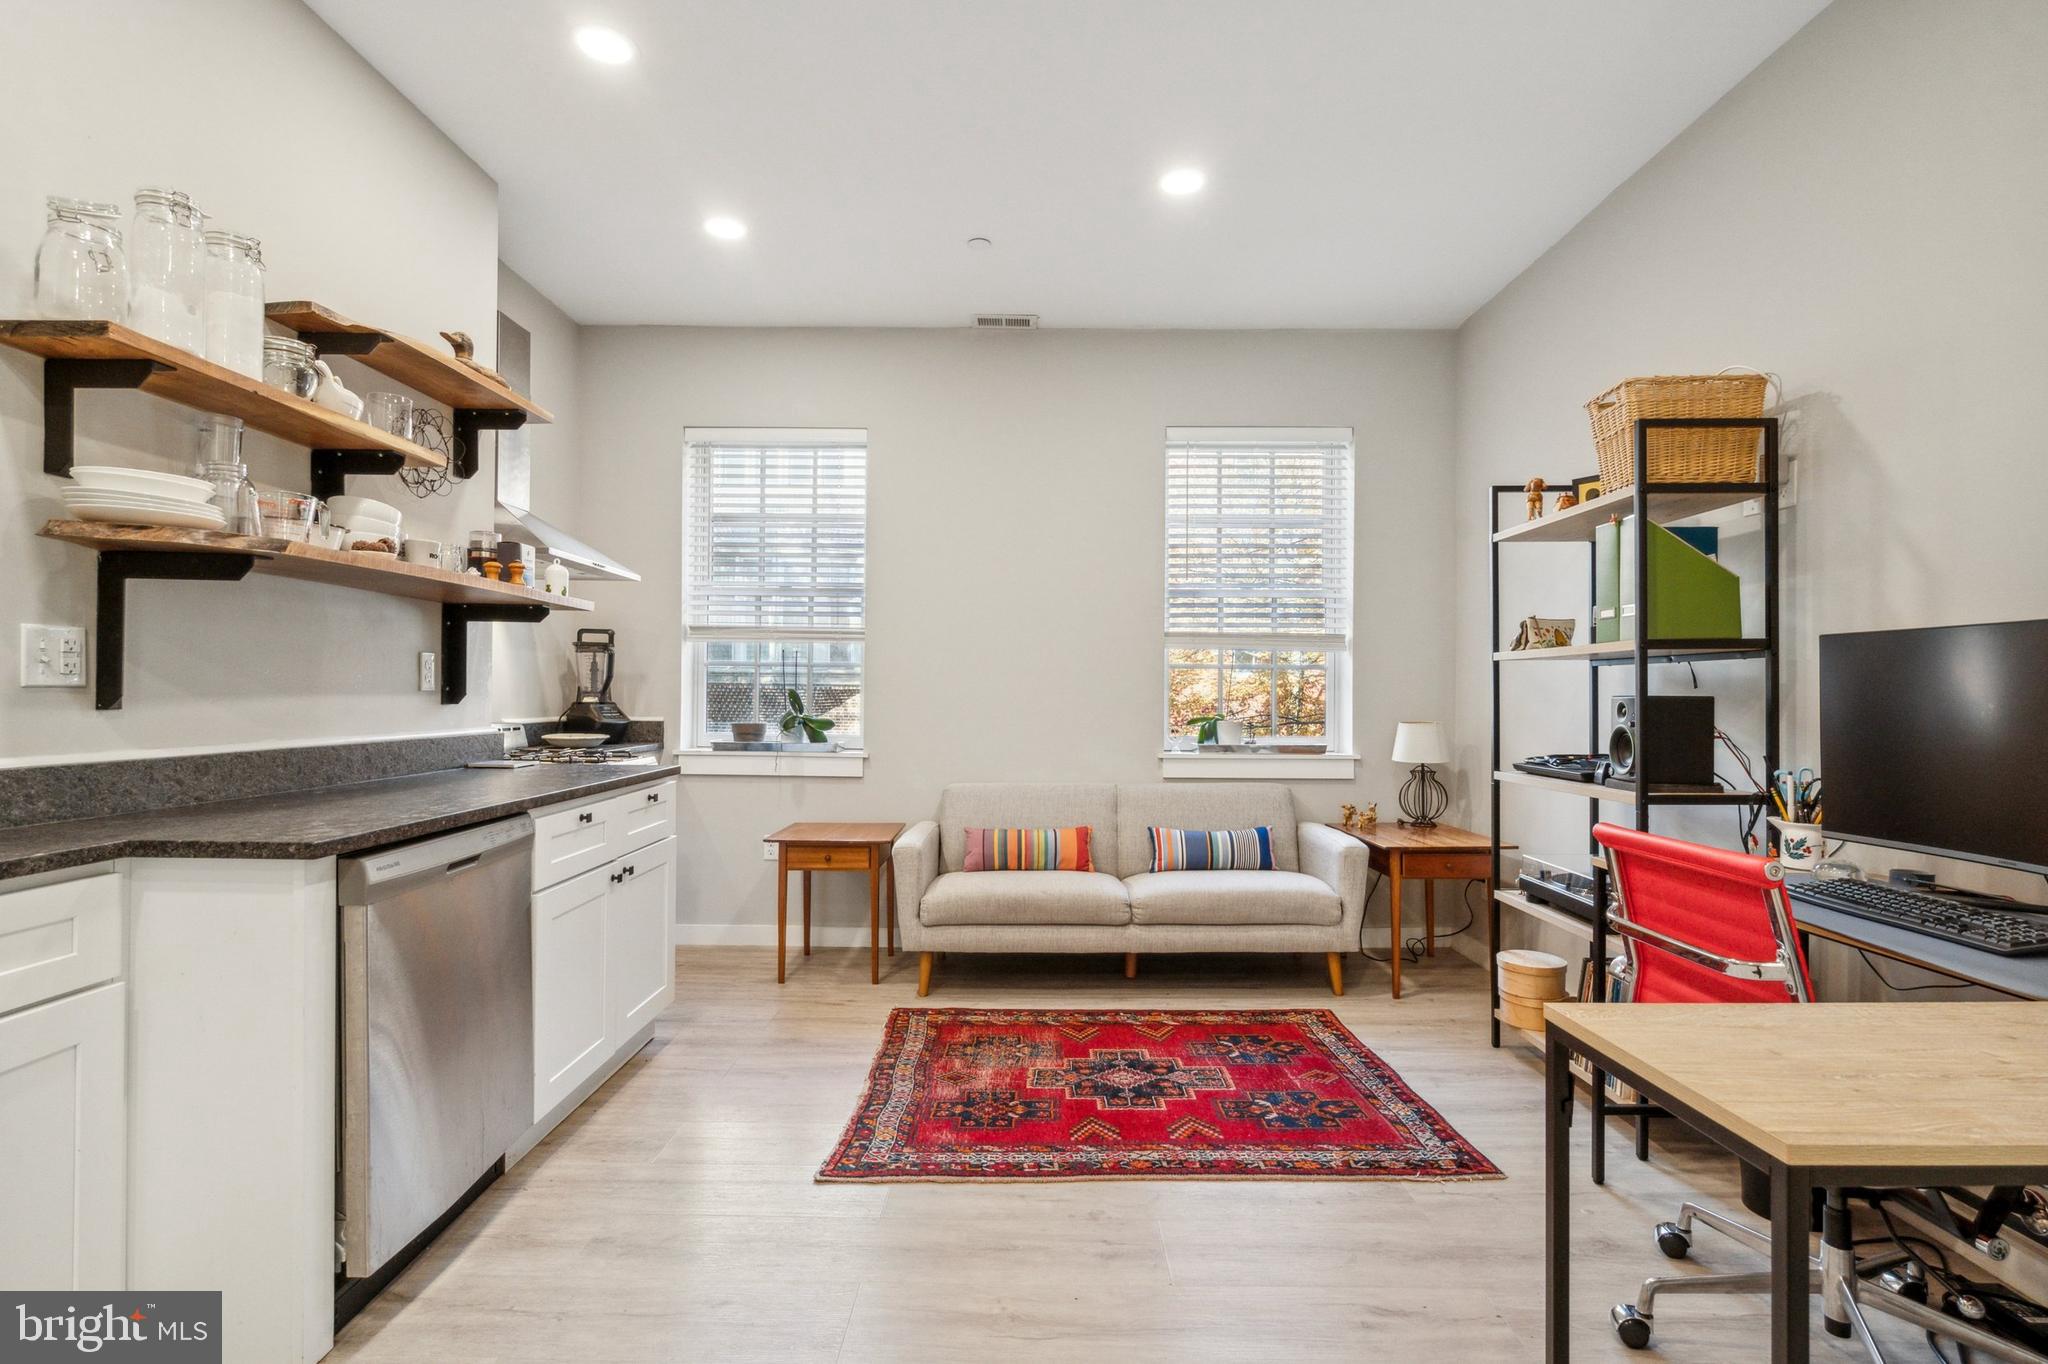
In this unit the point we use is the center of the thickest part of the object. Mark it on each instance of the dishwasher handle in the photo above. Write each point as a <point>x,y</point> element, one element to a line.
<point>382,872</point>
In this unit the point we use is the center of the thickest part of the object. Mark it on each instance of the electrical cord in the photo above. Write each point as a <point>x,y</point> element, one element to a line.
<point>1411,948</point>
<point>1871,962</point>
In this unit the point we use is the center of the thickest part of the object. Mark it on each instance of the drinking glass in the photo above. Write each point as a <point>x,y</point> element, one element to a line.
<point>389,412</point>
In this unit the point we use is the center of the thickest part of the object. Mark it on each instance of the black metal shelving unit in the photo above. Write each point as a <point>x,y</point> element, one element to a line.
<point>1648,502</point>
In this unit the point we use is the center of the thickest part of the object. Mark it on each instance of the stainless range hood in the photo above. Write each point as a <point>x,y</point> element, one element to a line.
<point>580,559</point>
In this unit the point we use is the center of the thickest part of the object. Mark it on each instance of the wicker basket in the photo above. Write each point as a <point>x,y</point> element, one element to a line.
<point>1707,455</point>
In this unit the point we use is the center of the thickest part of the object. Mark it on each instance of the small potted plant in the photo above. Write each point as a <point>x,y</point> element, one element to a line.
<point>1217,731</point>
<point>814,727</point>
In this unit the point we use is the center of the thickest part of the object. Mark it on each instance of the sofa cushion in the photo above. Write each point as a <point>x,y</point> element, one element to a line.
<point>1028,805</point>
<point>1201,805</point>
<point>1025,897</point>
<point>1229,897</point>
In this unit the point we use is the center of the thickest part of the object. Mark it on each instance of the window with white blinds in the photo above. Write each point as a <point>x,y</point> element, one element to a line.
<point>775,577</point>
<point>778,539</point>
<point>1258,613</point>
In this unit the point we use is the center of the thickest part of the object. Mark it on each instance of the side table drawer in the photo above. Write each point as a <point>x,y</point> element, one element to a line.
<point>1447,865</point>
<point>803,858</point>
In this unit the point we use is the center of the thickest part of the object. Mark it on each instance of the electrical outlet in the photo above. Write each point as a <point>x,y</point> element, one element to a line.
<point>428,682</point>
<point>52,655</point>
<point>769,852</point>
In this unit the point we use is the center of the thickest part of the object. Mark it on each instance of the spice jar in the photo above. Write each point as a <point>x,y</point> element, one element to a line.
<point>234,302</point>
<point>167,269</point>
<point>81,267</point>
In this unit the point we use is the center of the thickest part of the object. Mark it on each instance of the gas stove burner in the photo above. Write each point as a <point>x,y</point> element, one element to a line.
<point>604,753</point>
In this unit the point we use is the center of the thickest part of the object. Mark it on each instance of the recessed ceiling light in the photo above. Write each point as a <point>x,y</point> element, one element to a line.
<point>1184,180</point>
<point>606,45</point>
<point>725,229</point>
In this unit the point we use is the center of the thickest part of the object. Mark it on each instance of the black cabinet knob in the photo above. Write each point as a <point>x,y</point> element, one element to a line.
<point>585,817</point>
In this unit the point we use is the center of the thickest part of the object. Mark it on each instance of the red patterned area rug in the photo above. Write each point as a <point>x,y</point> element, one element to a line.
<point>1052,1094</point>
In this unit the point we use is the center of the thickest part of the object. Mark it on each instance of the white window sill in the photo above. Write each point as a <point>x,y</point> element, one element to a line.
<point>703,762</point>
<point>1259,766</point>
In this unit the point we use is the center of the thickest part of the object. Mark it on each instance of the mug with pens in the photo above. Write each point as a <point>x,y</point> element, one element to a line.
<point>1797,796</point>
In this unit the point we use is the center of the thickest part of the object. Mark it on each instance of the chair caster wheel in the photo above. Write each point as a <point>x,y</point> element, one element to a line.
<point>1675,1243</point>
<point>1632,1326</point>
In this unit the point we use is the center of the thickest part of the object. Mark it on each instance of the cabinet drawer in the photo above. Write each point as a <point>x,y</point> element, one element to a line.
<point>570,842</point>
<point>640,818</point>
<point>59,937</point>
<point>828,859</point>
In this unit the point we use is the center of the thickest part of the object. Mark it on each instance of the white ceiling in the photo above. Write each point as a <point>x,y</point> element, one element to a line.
<point>1372,163</point>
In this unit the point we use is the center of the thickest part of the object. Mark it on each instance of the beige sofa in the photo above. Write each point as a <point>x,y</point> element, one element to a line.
<point>1312,901</point>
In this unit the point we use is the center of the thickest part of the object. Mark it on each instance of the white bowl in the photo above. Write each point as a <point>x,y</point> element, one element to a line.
<point>366,529</point>
<point>355,510</point>
<point>117,478</point>
<point>572,740</point>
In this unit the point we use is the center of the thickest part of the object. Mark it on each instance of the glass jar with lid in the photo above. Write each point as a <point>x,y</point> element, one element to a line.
<point>288,364</point>
<point>166,269</point>
<point>81,267</point>
<point>234,302</point>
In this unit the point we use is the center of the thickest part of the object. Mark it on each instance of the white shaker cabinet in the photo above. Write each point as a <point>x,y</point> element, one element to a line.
<point>569,1015</point>
<point>640,933</point>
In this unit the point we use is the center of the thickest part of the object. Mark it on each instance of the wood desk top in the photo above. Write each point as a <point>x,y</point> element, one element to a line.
<point>1390,835</point>
<point>860,835</point>
<point>1844,1084</point>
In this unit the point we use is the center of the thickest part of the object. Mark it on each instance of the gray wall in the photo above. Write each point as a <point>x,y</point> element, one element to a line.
<point>1015,548</point>
<point>1863,215</point>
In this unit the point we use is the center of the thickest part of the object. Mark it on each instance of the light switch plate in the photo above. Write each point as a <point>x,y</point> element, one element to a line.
<point>52,655</point>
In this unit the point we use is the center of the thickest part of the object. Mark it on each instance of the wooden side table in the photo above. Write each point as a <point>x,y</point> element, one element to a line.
<point>835,847</point>
<point>1437,853</point>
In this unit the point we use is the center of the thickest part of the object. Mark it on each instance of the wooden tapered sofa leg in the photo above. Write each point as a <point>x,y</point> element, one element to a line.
<point>1130,966</point>
<point>924,973</point>
<point>1336,973</point>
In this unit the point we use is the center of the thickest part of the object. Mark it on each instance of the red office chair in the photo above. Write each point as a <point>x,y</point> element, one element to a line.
<point>1699,925</point>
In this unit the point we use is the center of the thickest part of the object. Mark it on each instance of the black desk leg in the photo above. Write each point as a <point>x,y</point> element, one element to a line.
<point>1557,1197</point>
<point>1598,1104</point>
<point>1791,1276</point>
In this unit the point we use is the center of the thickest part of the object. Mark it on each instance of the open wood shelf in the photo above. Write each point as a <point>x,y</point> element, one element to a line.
<point>192,380</point>
<point>1534,1039</point>
<point>1668,502</point>
<point>421,366</point>
<point>1556,918</point>
<point>293,559</point>
<point>1623,795</point>
<point>1624,651</point>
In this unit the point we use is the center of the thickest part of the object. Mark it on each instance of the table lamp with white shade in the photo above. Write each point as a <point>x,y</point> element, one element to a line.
<point>1423,797</point>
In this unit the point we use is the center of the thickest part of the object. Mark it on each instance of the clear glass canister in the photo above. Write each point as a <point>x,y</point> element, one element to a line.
<point>220,463</point>
<point>81,268</point>
<point>167,269</point>
<point>288,364</point>
<point>234,302</point>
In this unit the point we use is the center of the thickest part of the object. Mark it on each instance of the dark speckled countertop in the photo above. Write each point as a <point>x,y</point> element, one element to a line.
<point>316,823</point>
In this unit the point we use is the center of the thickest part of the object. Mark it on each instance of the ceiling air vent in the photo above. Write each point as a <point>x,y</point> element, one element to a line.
<point>1006,321</point>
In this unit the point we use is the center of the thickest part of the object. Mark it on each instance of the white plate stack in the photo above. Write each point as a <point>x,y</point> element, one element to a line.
<point>141,497</point>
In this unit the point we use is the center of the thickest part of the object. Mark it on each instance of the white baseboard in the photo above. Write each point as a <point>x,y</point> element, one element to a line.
<point>763,935</point>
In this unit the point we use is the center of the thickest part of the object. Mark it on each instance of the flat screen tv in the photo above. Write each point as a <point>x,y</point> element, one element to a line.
<point>1936,740</point>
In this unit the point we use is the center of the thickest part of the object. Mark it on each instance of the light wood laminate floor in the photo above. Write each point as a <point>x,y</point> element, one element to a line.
<point>674,1217</point>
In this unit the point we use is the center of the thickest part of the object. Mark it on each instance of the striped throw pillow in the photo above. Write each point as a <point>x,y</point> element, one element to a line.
<point>1027,850</point>
<point>1212,849</point>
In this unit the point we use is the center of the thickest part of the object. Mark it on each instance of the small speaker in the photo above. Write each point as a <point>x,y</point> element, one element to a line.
<point>1663,740</point>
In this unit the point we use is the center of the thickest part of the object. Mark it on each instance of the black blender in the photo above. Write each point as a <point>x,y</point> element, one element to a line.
<point>593,711</point>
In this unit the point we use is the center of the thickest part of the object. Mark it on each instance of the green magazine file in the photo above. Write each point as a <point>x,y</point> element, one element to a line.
<point>1692,596</point>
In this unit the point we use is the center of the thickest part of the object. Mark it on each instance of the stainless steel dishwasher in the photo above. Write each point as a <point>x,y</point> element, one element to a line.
<point>436,1028</point>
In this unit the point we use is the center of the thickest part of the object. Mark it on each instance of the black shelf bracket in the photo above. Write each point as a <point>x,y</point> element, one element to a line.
<point>455,622</point>
<point>332,467</point>
<point>469,422</point>
<point>117,568</point>
<point>344,343</point>
<point>61,381</point>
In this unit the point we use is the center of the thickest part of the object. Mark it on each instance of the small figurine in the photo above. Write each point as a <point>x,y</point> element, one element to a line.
<point>464,347</point>
<point>1350,816</point>
<point>1567,498</point>
<point>1534,487</point>
<point>1370,817</point>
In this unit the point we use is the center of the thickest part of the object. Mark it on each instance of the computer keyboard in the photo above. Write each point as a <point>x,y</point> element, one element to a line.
<point>1970,923</point>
